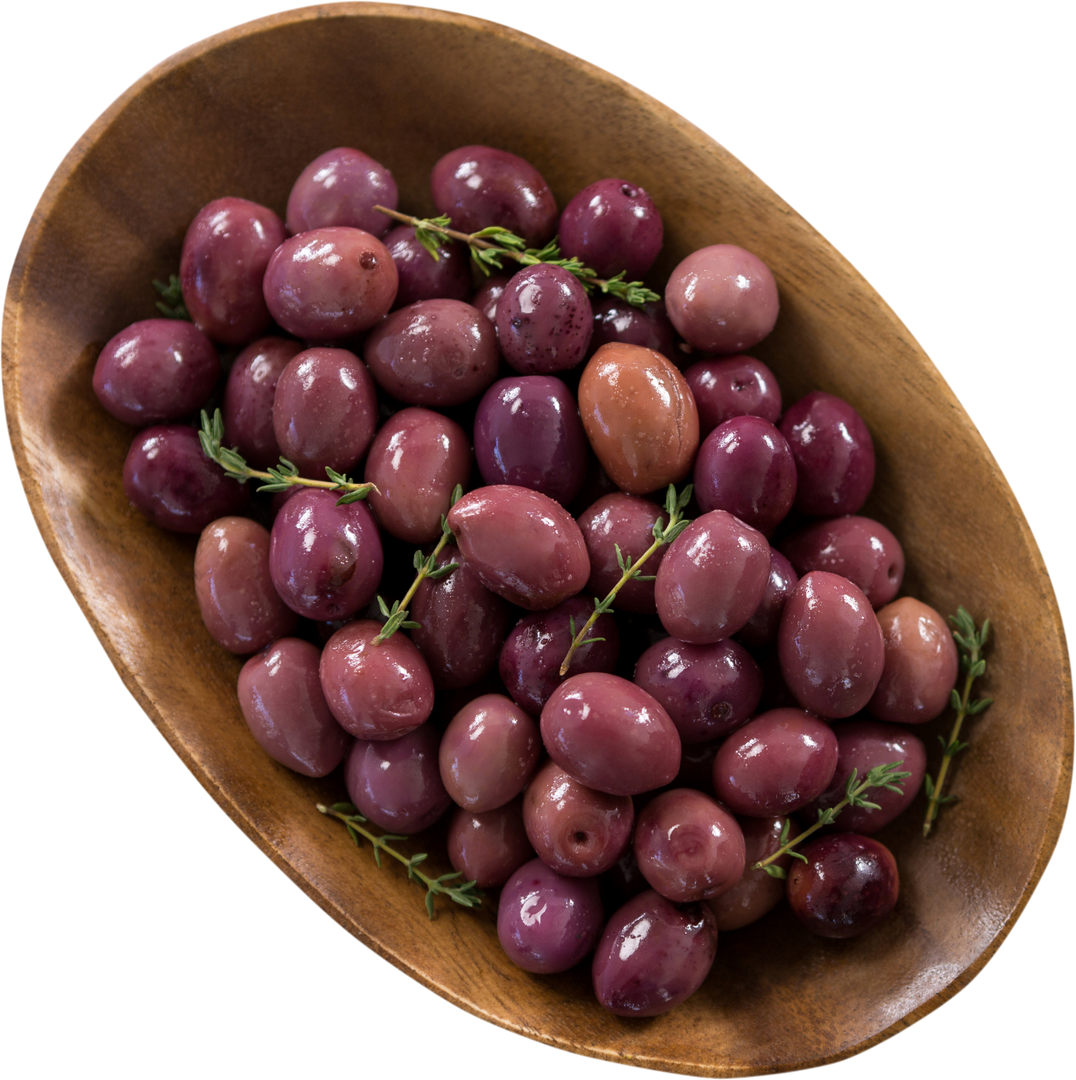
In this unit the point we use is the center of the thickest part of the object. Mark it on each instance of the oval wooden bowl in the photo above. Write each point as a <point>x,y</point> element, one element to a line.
<point>241,114</point>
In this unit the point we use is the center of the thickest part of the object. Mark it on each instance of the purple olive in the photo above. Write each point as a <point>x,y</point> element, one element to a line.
<point>488,848</point>
<point>342,187</point>
<point>848,885</point>
<point>326,560</point>
<point>688,847</point>
<point>480,186</point>
<point>421,276</point>
<point>834,455</point>
<point>610,734</point>
<point>397,784</point>
<point>156,371</point>
<point>735,386</point>
<point>169,480</point>
<point>830,645</point>
<point>574,829</point>
<point>648,326</point>
<point>756,893</point>
<point>712,578</point>
<point>376,690</point>
<point>546,922</point>
<point>920,664</point>
<point>328,284</point>
<point>722,299</point>
<point>226,251</point>
<point>281,700</point>
<point>857,548</point>
<point>613,227</point>
<point>761,629</point>
<point>653,955</point>
<point>527,432</point>
<point>523,545</point>
<point>776,763</point>
<point>239,606</point>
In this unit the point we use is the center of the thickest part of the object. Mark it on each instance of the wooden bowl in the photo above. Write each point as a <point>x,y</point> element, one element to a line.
<point>194,129</point>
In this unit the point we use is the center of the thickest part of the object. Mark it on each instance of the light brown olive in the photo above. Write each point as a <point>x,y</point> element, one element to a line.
<point>920,664</point>
<point>640,417</point>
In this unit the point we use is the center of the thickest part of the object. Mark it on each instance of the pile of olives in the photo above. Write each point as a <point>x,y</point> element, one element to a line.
<point>745,670</point>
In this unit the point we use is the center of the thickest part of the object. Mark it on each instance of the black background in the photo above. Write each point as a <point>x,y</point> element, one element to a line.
<point>918,154</point>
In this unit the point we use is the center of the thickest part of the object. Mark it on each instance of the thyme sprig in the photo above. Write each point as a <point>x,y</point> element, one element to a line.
<point>171,304</point>
<point>970,643</point>
<point>884,776</point>
<point>490,246</point>
<point>464,893</point>
<point>629,571</point>
<point>426,565</point>
<point>278,477</point>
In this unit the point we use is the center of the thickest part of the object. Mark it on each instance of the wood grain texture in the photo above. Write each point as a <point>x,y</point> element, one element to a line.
<point>241,114</point>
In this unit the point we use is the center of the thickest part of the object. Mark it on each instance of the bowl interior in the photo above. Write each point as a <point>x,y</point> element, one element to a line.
<point>241,114</point>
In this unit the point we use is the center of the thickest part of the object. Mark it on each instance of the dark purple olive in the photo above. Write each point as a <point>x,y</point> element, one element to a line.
<point>324,411</point>
<point>461,624</point>
<point>697,766</point>
<point>326,560</point>
<point>744,466</point>
<point>857,548</point>
<point>736,386</point>
<point>756,893</point>
<point>834,455</point>
<point>648,326</point>
<point>488,295</point>
<point>479,186</point>
<point>247,409</point>
<point>863,745</point>
<point>434,353</point>
<point>169,480</point>
<point>422,277</point>
<point>707,690</point>
<point>488,848</point>
<point>761,629</point>
<point>627,522</point>
<point>613,227</point>
<point>537,645</point>
<point>848,885</point>
<point>544,320</point>
<point>527,432</point>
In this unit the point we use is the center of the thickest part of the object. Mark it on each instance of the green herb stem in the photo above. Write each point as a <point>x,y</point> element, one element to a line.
<point>490,246</point>
<point>629,571</point>
<point>171,304</point>
<point>885,776</point>
<point>970,643</point>
<point>463,893</point>
<point>396,616</point>
<point>279,477</point>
